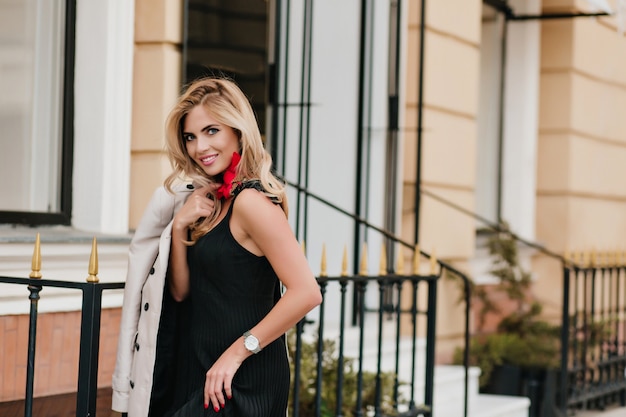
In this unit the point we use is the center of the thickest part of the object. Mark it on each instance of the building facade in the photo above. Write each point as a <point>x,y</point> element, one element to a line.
<point>431,119</point>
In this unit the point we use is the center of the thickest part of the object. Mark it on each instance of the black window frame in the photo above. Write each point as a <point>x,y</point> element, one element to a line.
<point>62,217</point>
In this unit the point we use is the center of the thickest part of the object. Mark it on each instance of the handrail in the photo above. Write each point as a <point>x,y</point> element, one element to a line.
<point>391,236</point>
<point>494,226</point>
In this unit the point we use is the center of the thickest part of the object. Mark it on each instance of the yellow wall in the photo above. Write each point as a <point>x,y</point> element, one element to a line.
<point>581,196</point>
<point>157,75</point>
<point>581,199</point>
<point>450,97</point>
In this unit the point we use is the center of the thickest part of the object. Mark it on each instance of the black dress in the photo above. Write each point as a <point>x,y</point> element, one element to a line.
<point>231,290</point>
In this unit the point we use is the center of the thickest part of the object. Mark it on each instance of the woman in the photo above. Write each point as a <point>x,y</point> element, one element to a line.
<point>231,249</point>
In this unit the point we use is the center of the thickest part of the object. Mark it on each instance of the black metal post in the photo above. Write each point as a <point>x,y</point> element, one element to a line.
<point>305,110</point>
<point>89,347</point>
<point>420,111</point>
<point>431,322</point>
<point>342,327</point>
<point>32,338</point>
<point>564,341</point>
<point>297,368</point>
<point>468,301</point>
<point>359,154</point>
<point>285,86</point>
<point>320,353</point>
<point>378,389</point>
<point>398,311</point>
<point>361,286</point>
<point>414,310</point>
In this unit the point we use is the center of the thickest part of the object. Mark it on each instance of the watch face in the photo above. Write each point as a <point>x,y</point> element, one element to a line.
<point>251,343</point>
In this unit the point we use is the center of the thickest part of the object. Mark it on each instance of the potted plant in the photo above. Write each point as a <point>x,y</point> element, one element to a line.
<point>519,354</point>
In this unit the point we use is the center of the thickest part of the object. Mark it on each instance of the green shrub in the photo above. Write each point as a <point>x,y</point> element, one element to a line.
<point>330,363</point>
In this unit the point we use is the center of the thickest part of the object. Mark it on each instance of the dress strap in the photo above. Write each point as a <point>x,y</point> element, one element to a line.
<point>256,184</point>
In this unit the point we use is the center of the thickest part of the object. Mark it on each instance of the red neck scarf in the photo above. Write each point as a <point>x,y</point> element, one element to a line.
<point>229,175</point>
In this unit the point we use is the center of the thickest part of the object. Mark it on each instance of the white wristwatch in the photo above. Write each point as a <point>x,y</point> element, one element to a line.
<point>251,343</point>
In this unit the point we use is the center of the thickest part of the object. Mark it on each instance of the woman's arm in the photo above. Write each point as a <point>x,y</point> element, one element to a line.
<point>262,228</point>
<point>266,230</point>
<point>197,205</point>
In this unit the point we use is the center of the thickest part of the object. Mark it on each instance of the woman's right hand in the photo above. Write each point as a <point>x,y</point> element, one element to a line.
<point>198,205</point>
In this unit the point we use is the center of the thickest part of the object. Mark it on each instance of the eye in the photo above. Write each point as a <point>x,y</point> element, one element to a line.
<point>187,137</point>
<point>212,130</point>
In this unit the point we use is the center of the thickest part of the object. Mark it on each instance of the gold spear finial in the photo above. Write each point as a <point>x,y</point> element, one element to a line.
<point>36,260</point>
<point>593,258</point>
<point>610,258</point>
<point>383,261</point>
<point>344,262</point>
<point>603,259</point>
<point>363,266</point>
<point>582,258</point>
<point>433,263</point>
<point>400,262</point>
<point>93,262</point>
<point>416,260</point>
<point>323,271</point>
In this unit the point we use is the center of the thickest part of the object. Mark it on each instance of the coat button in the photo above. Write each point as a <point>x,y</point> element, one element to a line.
<point>151,271</point>
<point>190,186</point>
<point>146,306</point>
<point>132,385</point>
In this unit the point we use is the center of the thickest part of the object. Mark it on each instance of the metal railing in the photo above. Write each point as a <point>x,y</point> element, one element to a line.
<point>453,272</point>
<point>388,347</point>
<point>385,379</point>
<point>91,309</point>
<point>593,334</point>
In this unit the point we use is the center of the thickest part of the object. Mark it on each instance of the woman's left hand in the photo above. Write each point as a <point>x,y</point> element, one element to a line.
<point>218,382</point>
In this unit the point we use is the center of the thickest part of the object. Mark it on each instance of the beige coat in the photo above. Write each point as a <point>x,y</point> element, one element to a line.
<point>143,295</point>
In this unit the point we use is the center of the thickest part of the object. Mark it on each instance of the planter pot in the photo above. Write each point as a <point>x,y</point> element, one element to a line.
<point>538,384</point>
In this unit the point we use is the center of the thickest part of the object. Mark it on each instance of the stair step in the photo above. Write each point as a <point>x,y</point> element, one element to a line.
<point>486,405</point>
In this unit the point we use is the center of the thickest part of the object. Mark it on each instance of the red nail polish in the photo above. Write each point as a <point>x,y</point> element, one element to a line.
<point>206,406</point>
<point>229,397</point>
<point>216,409</point>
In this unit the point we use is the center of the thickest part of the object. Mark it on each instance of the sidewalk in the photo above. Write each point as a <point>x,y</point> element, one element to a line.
<point>609,412</point>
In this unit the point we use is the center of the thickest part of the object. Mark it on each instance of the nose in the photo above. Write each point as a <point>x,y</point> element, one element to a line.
<point>203,143</point>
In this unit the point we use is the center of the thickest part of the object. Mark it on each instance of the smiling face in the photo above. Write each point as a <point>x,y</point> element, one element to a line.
<point>209,143</point>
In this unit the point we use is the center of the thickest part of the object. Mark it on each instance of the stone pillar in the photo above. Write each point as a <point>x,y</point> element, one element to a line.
<point>156,84</point>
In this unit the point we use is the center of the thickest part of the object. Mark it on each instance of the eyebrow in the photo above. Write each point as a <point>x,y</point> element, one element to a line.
<point>204,129</point>
<point>211,126</point>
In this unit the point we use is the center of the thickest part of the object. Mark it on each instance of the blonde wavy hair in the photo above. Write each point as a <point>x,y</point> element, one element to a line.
<point>225,101</point>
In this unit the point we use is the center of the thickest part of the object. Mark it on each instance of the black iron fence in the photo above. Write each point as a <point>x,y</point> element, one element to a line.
<point>367,367</point>
<point>382,365</point>
<point>593,334</point>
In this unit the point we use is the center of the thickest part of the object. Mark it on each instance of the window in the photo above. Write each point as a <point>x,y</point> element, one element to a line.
<point>230,38</point>
<point>35,79</point>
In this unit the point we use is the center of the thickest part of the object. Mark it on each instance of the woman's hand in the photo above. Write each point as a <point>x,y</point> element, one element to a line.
<point>218,382</point>
<point>198,205</point>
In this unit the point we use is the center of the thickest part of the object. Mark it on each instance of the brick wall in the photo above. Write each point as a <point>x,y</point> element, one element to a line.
<point>56,359</point>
